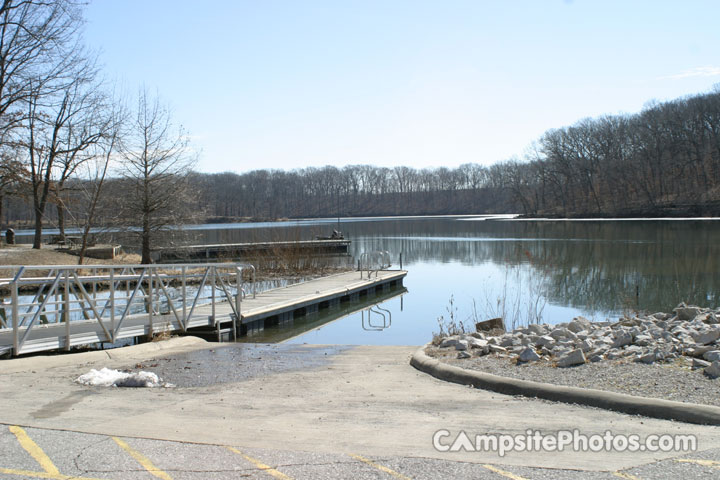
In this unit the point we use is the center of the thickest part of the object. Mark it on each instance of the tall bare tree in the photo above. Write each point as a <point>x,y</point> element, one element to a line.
<point>40,58</point>
<point>61,126</point>
<point>155,168</point>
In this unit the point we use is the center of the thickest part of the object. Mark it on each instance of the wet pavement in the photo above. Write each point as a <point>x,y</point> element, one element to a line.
<point>235,363</point>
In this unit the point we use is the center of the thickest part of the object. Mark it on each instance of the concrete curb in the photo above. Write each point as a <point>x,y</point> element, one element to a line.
<point>649,407</point>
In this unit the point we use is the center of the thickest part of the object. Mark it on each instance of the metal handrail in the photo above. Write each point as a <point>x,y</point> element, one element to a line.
<point>374,262</point>
<point>110,294</point>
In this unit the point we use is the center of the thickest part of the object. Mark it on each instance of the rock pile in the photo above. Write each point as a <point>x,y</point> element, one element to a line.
<point>688,331</point>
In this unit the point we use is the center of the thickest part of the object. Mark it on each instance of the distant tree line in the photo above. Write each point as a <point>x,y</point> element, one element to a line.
<point>664,160</point>
<point>355,190</point>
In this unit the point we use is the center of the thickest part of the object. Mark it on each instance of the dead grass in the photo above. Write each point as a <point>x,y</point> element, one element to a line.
<point>27,256</point>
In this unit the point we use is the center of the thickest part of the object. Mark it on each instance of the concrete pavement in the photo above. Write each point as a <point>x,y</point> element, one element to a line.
<point>364,401</point>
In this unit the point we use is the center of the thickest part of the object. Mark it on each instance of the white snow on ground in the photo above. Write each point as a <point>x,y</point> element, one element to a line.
<point>115,378</point>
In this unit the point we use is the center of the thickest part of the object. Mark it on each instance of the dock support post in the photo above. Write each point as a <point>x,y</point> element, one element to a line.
<point>184,296</point>
<point>112,306</point>
<point>16,320</point>
<point>66,314</point>
<point>149,303</point>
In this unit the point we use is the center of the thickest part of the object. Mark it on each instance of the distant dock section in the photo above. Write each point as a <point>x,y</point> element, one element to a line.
<point>203,253</point>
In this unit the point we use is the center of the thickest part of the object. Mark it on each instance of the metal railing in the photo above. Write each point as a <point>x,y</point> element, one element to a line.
<point>373,262</point>
<point>111,294</point>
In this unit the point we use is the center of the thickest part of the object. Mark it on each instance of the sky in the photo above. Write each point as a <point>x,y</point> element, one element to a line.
<point>286,84</point>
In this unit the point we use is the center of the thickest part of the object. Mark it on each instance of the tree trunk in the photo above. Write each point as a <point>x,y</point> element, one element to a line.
<point>146,243</point>
<point>2,211</point>
<point>37,240</point>
<point>61,220</point>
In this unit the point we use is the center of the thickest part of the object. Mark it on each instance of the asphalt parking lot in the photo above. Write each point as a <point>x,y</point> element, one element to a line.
<point>63,455</point>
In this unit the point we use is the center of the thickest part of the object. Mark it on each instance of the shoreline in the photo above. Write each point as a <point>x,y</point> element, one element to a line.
<point>666,356</point>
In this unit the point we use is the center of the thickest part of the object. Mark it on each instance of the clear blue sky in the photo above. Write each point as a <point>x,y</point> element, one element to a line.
<point>296,83</point>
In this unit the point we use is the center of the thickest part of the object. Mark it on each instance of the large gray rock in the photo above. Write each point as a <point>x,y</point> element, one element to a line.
<point>545,341</point>
<point>684,312</point>
<point>632,350</point>
<point>579,324</point>
<point>575,357</point>
<point>613,354</point>
<point>536,329</point>
<point>712,356</point>
<point>697,363</point>
<point>708,336</point>
<point>643,340</point>
<point>508,341</point>
<point>561,332</point>
<point>647,358</point>
<point>621,338</point>
<point>713,371</point>
<point>474,342</point>
<point>448,342</point>
<point>698,350</point>
<point>461,345</point>
<point>528,355</point>
<point>586,345</point>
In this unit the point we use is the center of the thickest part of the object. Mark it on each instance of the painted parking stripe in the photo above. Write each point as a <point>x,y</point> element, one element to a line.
<point>504,473</point>
<point>261,466</point>
<point>142,460</point>
<point>34,450</point>
<point>704,463</point>
<point>51,476</point>
<point>382,468</point>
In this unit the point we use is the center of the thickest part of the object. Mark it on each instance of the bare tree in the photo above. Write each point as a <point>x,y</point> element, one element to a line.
<point>61,126</point>
<point>97,170</point>
<point>40,59</point>
<point>156,162</point>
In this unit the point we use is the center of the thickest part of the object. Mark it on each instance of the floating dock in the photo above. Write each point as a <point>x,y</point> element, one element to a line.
<point>244,250</point>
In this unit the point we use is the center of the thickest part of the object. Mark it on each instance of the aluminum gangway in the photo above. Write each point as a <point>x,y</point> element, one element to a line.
<point>57,307</point>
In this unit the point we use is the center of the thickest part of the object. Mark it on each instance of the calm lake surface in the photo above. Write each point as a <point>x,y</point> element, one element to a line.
<point>547,271</point>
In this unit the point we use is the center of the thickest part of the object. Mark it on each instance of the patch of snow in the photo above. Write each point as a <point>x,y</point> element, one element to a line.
<point>107,377</point>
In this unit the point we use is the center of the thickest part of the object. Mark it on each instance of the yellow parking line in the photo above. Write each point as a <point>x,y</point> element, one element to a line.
<point>704,463</point>
<point>52,476</point>
<point>504,473</point>
<point>142,460</point>
<point>261,466</point>
<point>27,473</point>
<point>626,476</point>
<point>35,451</point>
<point>380,467</point>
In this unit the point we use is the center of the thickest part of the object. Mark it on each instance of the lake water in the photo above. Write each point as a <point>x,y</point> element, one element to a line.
<point>547,271</point>
<point>475,268</point>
